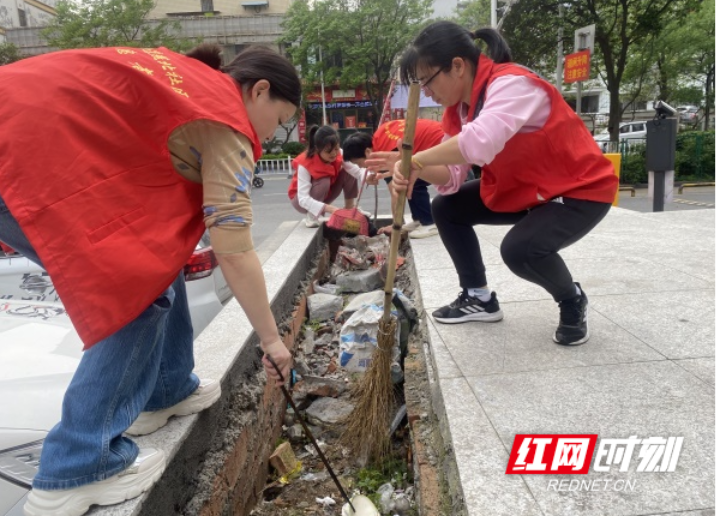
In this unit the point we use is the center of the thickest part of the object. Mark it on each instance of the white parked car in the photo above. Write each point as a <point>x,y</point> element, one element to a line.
<point>630,133</point>
<point>40,350</point>
<point>689,114</point>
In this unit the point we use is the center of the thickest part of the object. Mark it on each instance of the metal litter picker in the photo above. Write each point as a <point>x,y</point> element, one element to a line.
<point>359,505</point>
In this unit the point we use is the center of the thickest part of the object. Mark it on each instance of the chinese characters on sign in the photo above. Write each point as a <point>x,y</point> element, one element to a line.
<point>577,66</point>
<point>538,454</point>
<point>340,105</point>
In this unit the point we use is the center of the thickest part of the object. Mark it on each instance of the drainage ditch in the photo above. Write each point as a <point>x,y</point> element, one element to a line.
<point>261,444</point>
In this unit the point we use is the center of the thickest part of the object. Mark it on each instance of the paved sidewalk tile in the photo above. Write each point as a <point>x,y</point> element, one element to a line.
<point>443,362</point>
<point>614,401</point>
<point>523,342</point>
<point>678,324</point>
<point>480,456</point>
<point>647,371</point>
<point>703,368</point>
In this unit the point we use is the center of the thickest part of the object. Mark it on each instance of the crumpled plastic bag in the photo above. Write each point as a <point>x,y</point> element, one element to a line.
<point>359,338</point>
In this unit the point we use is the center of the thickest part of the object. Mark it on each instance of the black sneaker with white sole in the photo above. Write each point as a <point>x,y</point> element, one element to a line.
<point>468,308</point>
<point>573,327</point>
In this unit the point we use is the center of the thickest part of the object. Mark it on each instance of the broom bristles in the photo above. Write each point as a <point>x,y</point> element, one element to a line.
<point>367,433</point>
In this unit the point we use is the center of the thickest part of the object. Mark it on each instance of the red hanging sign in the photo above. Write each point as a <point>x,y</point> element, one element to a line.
<point>577,66</point>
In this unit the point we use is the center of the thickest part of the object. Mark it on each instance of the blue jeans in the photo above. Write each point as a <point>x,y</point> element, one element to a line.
<point>420,203</point>
<point>147,365</point>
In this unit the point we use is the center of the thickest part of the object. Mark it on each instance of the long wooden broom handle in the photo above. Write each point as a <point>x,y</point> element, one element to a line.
<point>405,163</point>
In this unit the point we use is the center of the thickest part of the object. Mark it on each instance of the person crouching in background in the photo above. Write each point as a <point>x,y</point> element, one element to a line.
<point>320,175</point>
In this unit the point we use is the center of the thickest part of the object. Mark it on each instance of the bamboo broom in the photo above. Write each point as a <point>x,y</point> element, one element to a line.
<point>367,427</point>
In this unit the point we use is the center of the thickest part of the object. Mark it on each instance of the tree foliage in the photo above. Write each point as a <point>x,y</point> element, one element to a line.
<point>360,41</point>
<point>108,23</point>
<point>625,34</point>
<point>9,53</point>
<point>474,15</point>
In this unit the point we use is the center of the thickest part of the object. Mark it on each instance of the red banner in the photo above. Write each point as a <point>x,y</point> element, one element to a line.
<point>385,117</point>
<point>577,66</point>
<point>302,128</point>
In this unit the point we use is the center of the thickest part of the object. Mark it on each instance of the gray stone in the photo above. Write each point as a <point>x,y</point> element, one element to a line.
<point>295,433</point>
<point>360,281</point>
<point>301,367</point>
<point>309,342</point>
<point>328,411</point>
<point>324,306</point>
<point>319,386</point>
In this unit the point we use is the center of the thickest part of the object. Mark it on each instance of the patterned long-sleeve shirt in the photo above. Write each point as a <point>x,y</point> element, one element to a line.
<point>221,159</point>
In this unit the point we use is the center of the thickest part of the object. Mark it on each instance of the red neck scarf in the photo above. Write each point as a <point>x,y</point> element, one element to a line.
<point>451,117</point>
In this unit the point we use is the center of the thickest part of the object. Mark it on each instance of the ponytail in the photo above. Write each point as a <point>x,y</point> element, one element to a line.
<point>311,139</point>
<point>208,53</point>
<point>440,42</point>
<point>320,138</point>
<point>254,64</point>
<point>497,48</point>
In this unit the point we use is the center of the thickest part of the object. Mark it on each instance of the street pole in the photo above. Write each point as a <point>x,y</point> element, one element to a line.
<point>322,88</point>
<point>559,68</point>
<point>493,14</point>
<point>578,103</point>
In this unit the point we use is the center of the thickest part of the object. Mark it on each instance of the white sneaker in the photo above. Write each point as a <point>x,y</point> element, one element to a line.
<point>311,221</point>
<point>127,484</point>
<point>410,226</point>
<point>204,396</point>
<point>424,231</point>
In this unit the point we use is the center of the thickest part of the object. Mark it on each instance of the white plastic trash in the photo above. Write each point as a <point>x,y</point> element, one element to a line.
<point>363,507</point>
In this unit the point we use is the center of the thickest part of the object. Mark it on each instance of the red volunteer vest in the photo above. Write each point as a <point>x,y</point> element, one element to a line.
<point>428,134</point>
<point>87,173</point>
<point>560,160</point>
<point>317,168</point>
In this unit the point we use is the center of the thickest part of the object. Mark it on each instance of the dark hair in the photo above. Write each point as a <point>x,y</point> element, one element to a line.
<point>440,42</point>
<point>320,138</point>
<point>253,64</point>
<point>355,145</point>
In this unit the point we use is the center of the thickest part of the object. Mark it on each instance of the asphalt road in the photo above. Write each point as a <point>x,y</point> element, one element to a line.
<point>271,205</point>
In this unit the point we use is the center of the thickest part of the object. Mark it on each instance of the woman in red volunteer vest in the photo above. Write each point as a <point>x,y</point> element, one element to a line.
<point>112,170</point>
<point>542,172</point>
<point>384,144</point>
<point>320,176</point>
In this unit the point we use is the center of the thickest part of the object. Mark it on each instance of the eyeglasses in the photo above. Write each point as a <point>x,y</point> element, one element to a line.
<point>426,85</point>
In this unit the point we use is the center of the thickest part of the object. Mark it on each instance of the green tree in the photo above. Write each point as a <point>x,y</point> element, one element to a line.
<point>474,15</point>
<point>9,53</point>
<point>692,44</point>
<point>622,28</point>
<point>360,41</point>
<point>109,23</point>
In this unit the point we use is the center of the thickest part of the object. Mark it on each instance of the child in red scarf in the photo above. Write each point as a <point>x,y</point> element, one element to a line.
<point>320,175</point>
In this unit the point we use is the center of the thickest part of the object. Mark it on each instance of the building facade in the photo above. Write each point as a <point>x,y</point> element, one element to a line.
<point>15,14</point>
<point>175,8</point>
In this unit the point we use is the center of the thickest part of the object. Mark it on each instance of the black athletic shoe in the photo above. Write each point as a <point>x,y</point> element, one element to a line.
<point>573,327</point>
<point>469,308</point>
